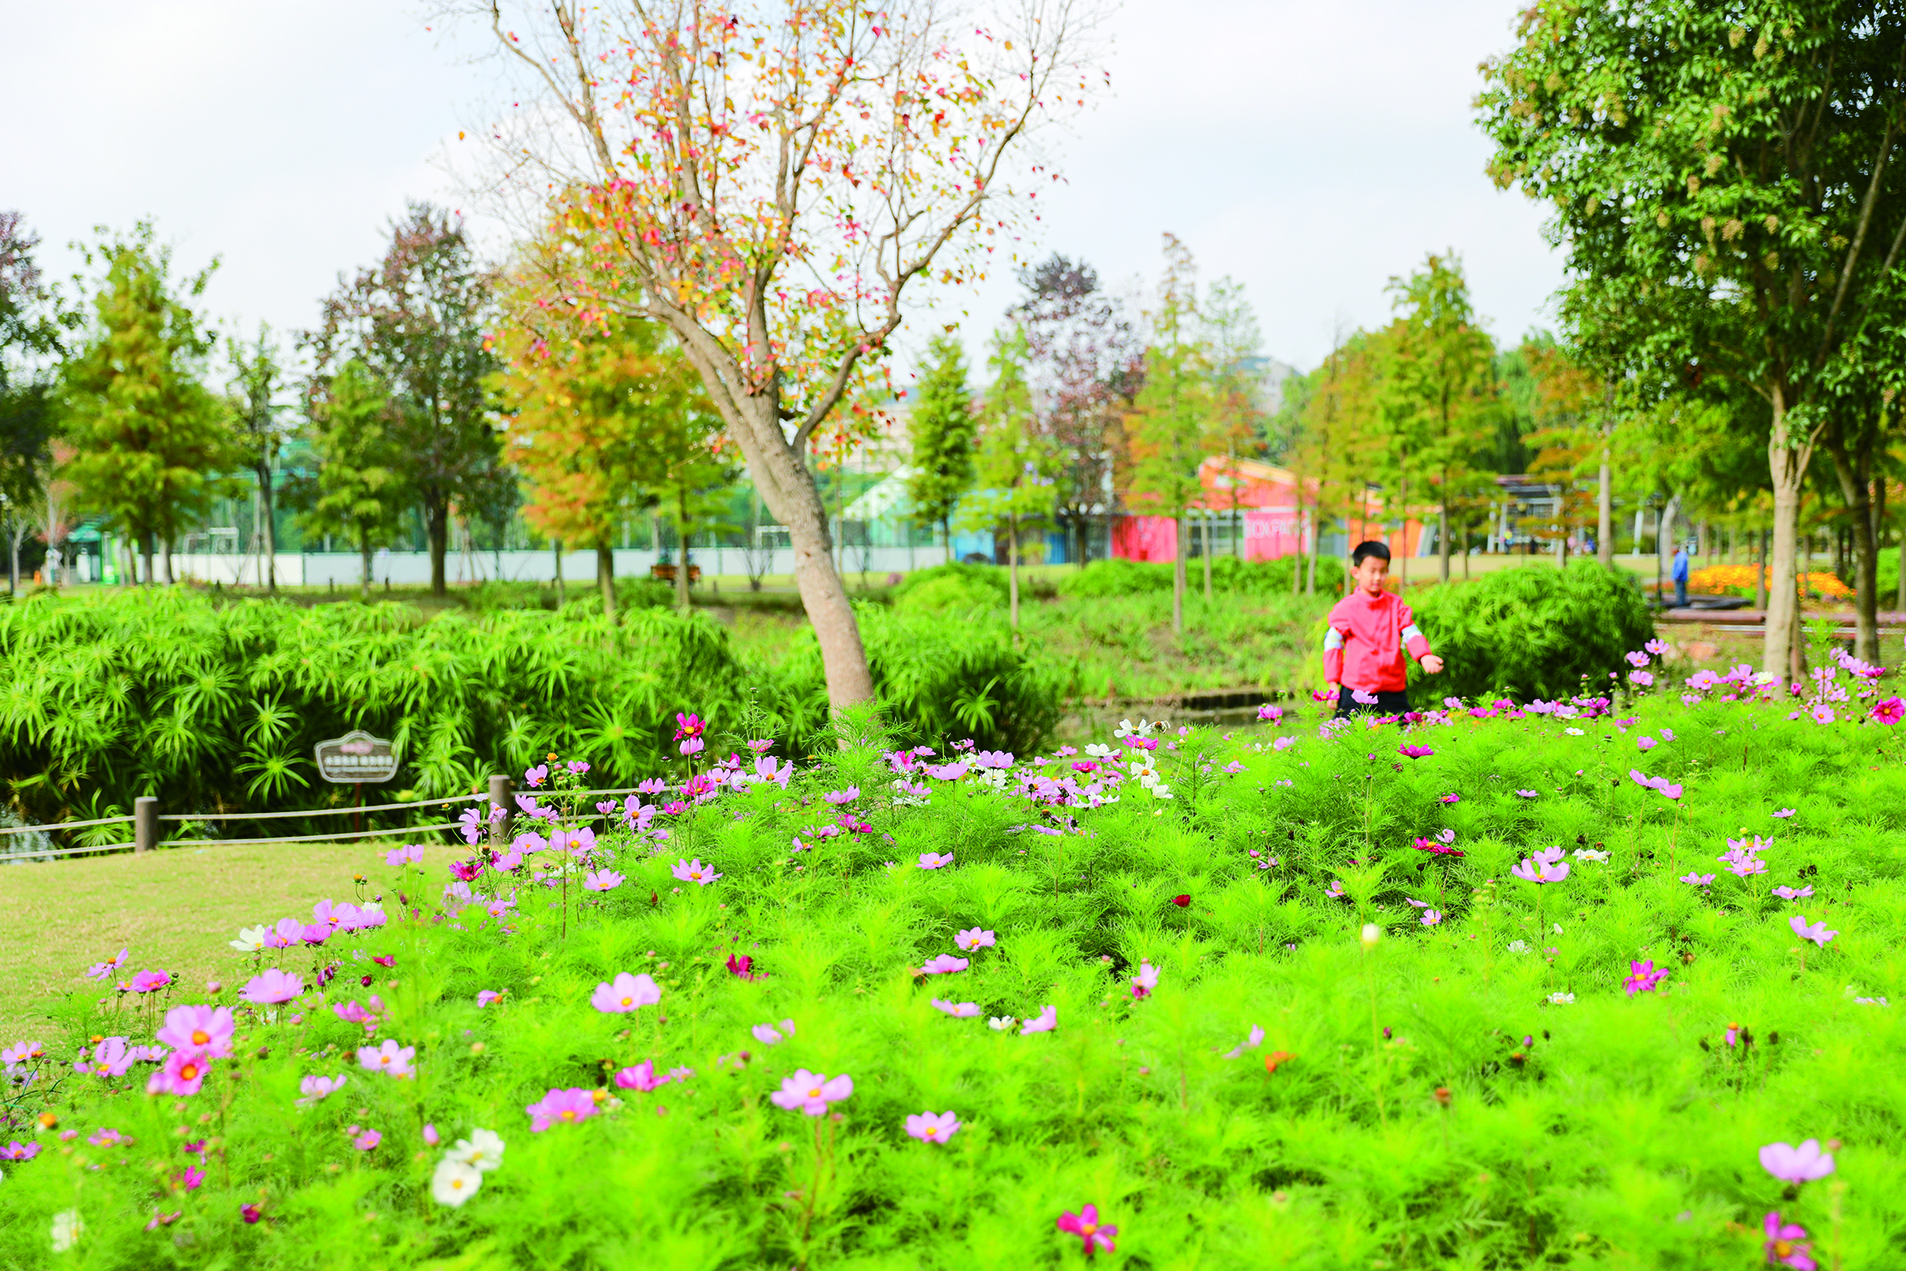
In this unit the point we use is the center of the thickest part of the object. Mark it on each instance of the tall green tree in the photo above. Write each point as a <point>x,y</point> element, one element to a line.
<point>34,326</point>
<point>420,322</point>
<point>941,431</point>
<point>1168,431</point>
<point>1440,392</point>
<point>150,438</point>
<point>359,490</point>
<point>1726,169</point>
<point>1015,472</point>
<point>257,381</point>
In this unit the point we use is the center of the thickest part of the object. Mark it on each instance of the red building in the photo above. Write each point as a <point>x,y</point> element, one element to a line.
<point>1260,501</point>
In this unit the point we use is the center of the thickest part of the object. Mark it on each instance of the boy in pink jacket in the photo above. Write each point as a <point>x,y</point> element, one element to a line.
<point>1370,630</point>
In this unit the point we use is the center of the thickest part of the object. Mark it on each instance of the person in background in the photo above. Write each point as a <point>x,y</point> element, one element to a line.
<point>1680,575</point>
<point>1370,632</point>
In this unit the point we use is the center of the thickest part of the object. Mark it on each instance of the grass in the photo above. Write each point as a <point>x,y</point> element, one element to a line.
<point>1481,1092</point>
<point>175,909</point>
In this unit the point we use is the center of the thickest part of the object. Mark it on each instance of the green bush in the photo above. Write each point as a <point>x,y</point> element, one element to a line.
<point>952,589</point>
<point>1120,577</point>
<point>1532,632</point>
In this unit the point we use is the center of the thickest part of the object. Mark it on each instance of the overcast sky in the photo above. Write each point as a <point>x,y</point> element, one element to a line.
<point>1310,151</point>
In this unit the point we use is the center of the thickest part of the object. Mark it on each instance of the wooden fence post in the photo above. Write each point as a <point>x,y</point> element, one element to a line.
<point>500,798</point>
<point>145,823</point>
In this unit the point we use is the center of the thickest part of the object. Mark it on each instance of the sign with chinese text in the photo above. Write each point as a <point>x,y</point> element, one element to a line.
<point>357,758</point>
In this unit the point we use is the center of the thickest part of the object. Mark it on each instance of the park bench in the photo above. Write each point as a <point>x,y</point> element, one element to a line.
<point>666,572</point>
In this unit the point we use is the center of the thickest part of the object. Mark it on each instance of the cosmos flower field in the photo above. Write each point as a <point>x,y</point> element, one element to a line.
<point>1596,982</point>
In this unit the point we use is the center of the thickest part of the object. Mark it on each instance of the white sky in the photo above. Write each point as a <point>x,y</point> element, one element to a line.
<point>1310,150</point>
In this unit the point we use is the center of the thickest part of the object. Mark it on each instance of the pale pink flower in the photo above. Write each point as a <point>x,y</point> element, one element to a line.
<point>388,1058</point>
<point>929,1127</point>
<point>811,1092</point>
<point>203,1028</point>
<point>627,993</point>
<point>974,939</point>
<point>944,964</point>
<point>561,1106</point>
<point>272,987</point>
<point>1044,1022</point>
<point>958,1010</point>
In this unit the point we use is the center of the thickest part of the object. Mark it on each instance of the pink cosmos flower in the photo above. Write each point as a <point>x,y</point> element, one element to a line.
<point>104,970</point>
<point>486,996</point>
<point>695,872</point>
<point>1044,1022</point>
<point>431,1137</point>
<point>107,1137</point>
<point>111,1058</point>
<point>206,1028</point>
<point>931,1128</point>
<point>1817,932</point>
<point>642,1077</point>
<point>1146,980</point>
<point>183,1074</point>
<point>975,938</point>
<point>20,1052</point>
<point>944,964</point>
<point>534,777</point>
<point>272,987</point>
<point>1415,752</point>
<point>1546,866</point>
<point>18,1151</point>
<point>1787,1244</point>
<point>560,1107</point>
<point>811,1092</point>
<point>188,1179</point>
<point>1645,743</point>
<point>1697,880</point>
<point>931,860</point>
<point>365,1140</point>
<point>1254,1039</point>
<point>1794,893</point>
<point>1783,814</point>
<point>1431,917</point>
<point>148,981</point>
<point>1451,798</point>
<point>958,1010</point>
<point>601,880</point>
<point>1335,890</point>
<point>1889,710</point>
<point>743,968</point>
<point>1643,977</point>
<point>387,1058</point>
<point>768,1035</point>
<point>1086,1225</point>
<point>407,855</point>
<point>1803,1164</point>
<point>627,993</point>
<point>317,1089</point>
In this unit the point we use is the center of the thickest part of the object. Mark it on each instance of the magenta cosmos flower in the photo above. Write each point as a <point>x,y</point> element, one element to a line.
<point>1086,1226</point>
<point>1415,752</point>
<point>561,1106</point>
<point>183,1074</point>
<point>626,993</point>
<point>272,987</point>
<point>1643,977</point>
<point>695,872</point>
<point>1146,980</point>
<point>1787,1244</point>
<point>1889,710</point>
<point>974,938</point>
<point>811,1092</point>
<point>1803,1164</point>
<point>1816,932</point>
<point>931,1128</point>
<point>203,1028</point>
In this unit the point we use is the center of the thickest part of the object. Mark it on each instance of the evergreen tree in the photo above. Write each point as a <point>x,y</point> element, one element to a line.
<point>148,435</point>
<point>941,429</point>
<point>358,491</point>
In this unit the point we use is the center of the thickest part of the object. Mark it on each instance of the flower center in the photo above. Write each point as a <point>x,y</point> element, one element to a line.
<point>1783,1248</point>
<point>200,1037</point>
<point>627,1000</point>
<point>568,1115</point>
<point>1088,1228</point>
<point>815,1093</point>
<point>188,1072</point>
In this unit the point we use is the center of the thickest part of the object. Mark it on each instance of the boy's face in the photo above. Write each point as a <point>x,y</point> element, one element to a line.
<point>1370,575</point>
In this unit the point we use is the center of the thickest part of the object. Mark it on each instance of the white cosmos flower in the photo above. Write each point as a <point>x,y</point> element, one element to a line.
<point>67,1229</point>
<point>250,939</point>
<point>482,1151</point>
<point>454,1182</point>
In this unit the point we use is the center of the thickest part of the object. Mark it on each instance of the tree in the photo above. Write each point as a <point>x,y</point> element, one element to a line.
<point>587,409</point>
<point>33,327</point>
<point>359,491</point>
<point>769,181</point>
<point>148,436</point>
<point>1238,418</point>
<point>256,376</point>
<point>1442,389</point>
<point>419,322</point>
<point>1330,418</point>
<point>1014,473</point>
<point>1086,366</point>
<point>1732,181</point>
<point>1169,426</point>
<point>941,429</point>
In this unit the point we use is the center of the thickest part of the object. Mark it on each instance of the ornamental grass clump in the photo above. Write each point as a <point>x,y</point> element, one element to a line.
<point>1242,999</point>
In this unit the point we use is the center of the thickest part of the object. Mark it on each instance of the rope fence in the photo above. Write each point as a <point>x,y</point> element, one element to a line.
<point>146,819</point>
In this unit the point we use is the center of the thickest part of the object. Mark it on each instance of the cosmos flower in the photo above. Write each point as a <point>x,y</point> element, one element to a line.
<point>1643,977</point>
<point>1086,1225</point>
<point>811,1092</point>
<point>931,1128</point>
<point>1803,1164</point>
<point>627,993</point>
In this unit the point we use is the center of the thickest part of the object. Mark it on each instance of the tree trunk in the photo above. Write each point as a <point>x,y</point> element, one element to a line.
<point>1204,530</point>
<point>1605,509</point>
<point>1664,535</point>
<point>1442,533</point>
<point>1787,464</point>
<point>946,537</point>
<point>270,528</point>
<point>437,537</point>
<point>1760,571</point>
<point>1853,487</point>
<point>1403,533</point>
<point>605,577</point>
<point>1316,528</point>
<point>364,566</point>
<point>562,592</point>
<point>1012,567</point>
<point>146,575</point>
<point>1178,577</point>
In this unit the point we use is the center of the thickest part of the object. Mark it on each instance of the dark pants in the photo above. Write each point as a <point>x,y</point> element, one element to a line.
<point>1680,593</point>
<point>1386,703</point>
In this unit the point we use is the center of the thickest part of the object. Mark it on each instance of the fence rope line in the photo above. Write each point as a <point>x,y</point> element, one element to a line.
<point>64,825</point>
<point>263,816</point>
<point>397,832</point>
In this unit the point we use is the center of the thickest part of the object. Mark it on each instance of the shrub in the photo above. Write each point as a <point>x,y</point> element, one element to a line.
<point>1120,577</point>
<point>988,581</point>
<point>1532,632</point>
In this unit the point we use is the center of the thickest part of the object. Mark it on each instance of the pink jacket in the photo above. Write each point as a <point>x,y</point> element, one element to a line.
<point>1365,644</point>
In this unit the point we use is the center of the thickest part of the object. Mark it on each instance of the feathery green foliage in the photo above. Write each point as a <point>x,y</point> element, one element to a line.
<point>1479,1093</point>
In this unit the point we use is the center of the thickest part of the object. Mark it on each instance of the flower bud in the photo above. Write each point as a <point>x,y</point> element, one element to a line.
<point>1371,934</point>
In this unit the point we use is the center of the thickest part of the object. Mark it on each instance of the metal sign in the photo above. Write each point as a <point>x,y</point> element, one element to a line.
<point>357,758</point>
